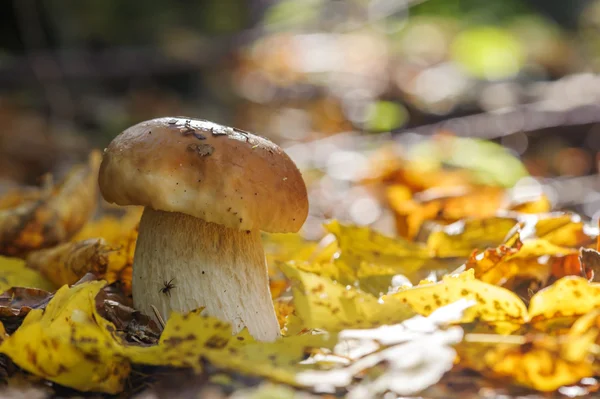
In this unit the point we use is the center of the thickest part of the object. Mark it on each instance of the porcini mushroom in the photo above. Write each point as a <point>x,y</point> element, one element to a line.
<point>208,190</point>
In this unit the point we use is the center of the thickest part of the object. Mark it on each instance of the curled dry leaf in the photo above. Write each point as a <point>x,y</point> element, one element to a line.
<point>136,327</point>
<point>18,301</point>
<point>120,234</point>
<point>590,263</point>
<point>19,195</point>
<point>67,263</point>
<point>55,216</point>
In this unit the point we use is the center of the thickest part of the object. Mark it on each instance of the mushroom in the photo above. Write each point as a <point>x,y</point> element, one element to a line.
<point>207,191</point>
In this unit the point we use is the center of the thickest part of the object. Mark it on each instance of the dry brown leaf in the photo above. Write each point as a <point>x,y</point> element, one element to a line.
<point>590,262</point>
<point>19,301</point>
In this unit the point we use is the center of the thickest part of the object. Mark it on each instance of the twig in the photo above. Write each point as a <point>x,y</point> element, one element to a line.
<point>158,317</point>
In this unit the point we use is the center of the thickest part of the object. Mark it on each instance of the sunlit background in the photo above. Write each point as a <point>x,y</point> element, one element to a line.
<point>347,87</point>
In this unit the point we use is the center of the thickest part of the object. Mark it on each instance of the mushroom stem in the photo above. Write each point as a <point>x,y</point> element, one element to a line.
<point>211,266</point>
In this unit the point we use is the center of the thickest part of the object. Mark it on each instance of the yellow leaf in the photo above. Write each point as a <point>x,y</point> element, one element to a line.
<point>493,304</point>
<point>563,229</point>
<point>532,206</point>
<point>121,236</point>
<point>462,237</point>
<point>534,258</point>
<point>69,343</point>
<point>326,304</point>
<point>569,296</point>
<point>112,228</point>
<point>187,339</point>
<point>541,362</point>
<point>13,273</point>
<point>120,260</point>
<point>364,253</point>
<point>286,247</point>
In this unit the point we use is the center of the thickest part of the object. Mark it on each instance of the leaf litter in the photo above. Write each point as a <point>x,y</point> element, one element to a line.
<point>475,285</point>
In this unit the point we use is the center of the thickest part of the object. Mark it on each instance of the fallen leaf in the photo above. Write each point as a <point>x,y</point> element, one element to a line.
<point>69,343</point>
<point>570,296</point>
<point>373,259</point>
<point>13,273</point>
<point>459,239</point>
<point>492,304</point>
<point>590,262</point>
<point>558,228</point>
<point>540,204</point>
<point>18,301</point>
<point>541,362</point>
<point>444,205</point>
<point>67,263</point>
<point>188,339</point>
<point>110,227</point>
<point>53,218</point>
<point>136,327</point>
<point>537,259</point>
<point>120,235</point>
<point>325,304</point>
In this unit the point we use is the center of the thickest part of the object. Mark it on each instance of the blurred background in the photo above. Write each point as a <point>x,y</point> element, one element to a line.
<point>352,89</point>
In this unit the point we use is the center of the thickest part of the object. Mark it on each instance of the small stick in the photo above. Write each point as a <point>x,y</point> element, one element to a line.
<point>158,317</point>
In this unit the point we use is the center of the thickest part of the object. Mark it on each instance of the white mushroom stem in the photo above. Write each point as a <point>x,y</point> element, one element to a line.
<point>211,266</point>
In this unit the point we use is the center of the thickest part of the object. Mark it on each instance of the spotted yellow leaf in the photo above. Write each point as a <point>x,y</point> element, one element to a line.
<point>187,339</point>
<point>542,362</point>
<point>462,237</point>
<point>569,296</point>
<point>68,343</point>
<point>493,304</point>
<point>326,304</point>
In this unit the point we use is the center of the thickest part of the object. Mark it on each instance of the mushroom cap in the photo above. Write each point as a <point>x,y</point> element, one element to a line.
<point>216,173</point>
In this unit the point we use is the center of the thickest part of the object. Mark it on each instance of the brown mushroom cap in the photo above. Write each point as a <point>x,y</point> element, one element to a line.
<point>213,172</point>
